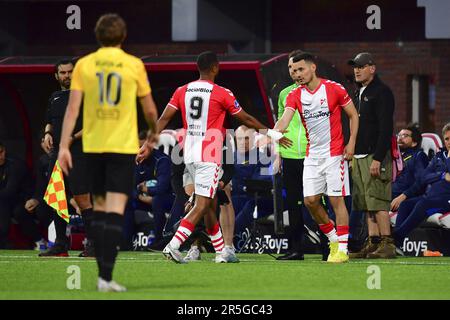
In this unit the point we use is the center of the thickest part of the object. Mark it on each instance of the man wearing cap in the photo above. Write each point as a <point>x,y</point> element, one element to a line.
<point>372,164</point>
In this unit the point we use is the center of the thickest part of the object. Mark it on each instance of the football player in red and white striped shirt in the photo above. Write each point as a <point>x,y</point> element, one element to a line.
<point>319,102</point>
<point>203,106</point>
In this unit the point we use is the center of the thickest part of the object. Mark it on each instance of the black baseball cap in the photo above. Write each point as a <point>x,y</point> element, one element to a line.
<point>361,60</point>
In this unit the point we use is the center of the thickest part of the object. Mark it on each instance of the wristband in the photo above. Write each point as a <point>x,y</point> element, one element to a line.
<point>275,135</point>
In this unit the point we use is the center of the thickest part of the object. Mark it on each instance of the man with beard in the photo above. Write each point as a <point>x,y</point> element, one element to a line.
<point>78,184</point>
<point>319,102</point>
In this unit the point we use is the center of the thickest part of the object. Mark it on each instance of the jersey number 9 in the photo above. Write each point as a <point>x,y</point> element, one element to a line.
<point>196,106</point>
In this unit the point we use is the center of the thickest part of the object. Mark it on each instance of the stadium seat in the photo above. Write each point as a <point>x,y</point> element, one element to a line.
<point>431,143</point>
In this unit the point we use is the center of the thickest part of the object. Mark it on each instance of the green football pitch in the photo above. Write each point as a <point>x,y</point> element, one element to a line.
<point>147,275</point>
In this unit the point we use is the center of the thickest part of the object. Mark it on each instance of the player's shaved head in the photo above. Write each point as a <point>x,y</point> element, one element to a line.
<point>110,30</point>
<point>206,61</point>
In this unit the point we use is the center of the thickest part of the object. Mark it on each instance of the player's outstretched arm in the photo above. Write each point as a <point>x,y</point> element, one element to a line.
<point>162,122</point>
<point>252,122</point>
<point>70,117</point>
<point>282,125</point>
<point>284,121</point>
<point>249,120</point>
<point>352,114</point>
<point>167,115</point>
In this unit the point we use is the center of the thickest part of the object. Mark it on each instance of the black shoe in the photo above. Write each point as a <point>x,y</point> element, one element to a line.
<point>292,256</point>
<point>325,254</point>
<point>158,245</point>
<point>89,251</point>
<point>324,247</point>
<point>58,250</point>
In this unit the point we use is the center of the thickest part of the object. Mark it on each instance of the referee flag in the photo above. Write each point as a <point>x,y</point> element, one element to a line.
<point>55,195</point>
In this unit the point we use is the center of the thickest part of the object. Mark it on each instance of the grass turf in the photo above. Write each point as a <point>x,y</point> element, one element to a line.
<point>23,275</point>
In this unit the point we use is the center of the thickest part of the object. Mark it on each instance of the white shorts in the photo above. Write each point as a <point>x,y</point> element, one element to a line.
<point>205,176</point>
<point>327,176</point>
<point>187,178</point>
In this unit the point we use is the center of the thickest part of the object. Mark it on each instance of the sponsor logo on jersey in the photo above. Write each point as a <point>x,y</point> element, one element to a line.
<point>307,114</point>
<point>206,90</point>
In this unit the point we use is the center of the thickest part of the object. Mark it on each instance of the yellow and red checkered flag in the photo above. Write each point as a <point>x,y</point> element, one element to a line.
<point>55,195</point>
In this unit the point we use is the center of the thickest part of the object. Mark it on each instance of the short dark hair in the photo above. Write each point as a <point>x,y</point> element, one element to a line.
<point>416,134</point>
<point>110,30</point>
<point>63,61</point>
<point>206,60</point>
<point>308,57</point>
<point>295,53</point>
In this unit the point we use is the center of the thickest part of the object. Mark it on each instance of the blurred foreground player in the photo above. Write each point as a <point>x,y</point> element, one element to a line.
<point>108,81</point>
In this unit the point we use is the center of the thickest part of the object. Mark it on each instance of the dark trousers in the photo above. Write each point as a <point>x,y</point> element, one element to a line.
<point>176,213</point>
<point>27,221</point>
<point>412,212</point>
<point>292,174</point>
<point>244,205</point>
<point>160,205</point>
